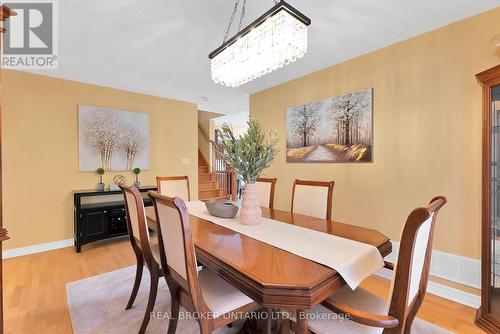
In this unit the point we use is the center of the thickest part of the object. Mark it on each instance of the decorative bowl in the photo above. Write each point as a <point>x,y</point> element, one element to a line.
<point>221,208</point>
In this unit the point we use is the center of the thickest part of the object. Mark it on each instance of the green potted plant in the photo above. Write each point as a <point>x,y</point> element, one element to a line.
<point>249,154</point>
<point>100,185</point>
<point>136,172</point>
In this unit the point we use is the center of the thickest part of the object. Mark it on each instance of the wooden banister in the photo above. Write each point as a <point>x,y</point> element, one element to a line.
<point>221,170</point>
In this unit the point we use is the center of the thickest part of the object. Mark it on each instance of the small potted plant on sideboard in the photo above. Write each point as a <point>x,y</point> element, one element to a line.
<point>136,172</point>
<point>100,185</point>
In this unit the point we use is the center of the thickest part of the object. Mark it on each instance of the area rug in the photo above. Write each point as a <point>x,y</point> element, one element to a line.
<point>97,305</point>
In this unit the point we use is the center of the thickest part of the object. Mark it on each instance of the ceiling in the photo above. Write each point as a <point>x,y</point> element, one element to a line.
<point>160,47</point>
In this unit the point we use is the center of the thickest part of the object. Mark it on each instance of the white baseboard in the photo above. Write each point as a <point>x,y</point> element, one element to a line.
<point>8,253</point>
<point>451,267</point>
<point>443,291</point>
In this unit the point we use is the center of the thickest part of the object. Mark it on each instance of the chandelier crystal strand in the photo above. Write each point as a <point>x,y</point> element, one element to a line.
<point>279,40</point>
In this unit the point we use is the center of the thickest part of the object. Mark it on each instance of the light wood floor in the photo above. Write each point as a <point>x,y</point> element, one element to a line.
<point>35,294</point>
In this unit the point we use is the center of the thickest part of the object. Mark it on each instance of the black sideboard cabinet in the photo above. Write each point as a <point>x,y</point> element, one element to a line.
<point>101,215</point>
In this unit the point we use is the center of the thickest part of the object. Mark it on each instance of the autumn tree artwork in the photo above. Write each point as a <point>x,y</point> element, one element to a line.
<point>337,129</point>
<point>114,140</point>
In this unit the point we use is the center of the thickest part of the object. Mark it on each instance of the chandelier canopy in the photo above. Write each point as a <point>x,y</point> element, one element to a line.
<point>275,39</point>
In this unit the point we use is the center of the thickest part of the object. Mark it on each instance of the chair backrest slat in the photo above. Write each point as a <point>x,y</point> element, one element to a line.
<point>174,186</point>
<point>418,258</point>
<point>133,210</point>
<point>177,253</point>
<point>411,273</point>
<point>313,198</point>
<point>136,222</point>
<point>265,190</point>
<point>173,239</point>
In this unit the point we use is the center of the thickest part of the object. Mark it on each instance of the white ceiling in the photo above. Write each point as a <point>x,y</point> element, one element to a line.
<point>160,47</point>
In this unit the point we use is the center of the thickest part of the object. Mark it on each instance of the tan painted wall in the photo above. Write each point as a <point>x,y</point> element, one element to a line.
<point>40,157</point>
<point>427,132</point>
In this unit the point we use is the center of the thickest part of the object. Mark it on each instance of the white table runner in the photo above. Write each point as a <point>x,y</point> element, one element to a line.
<point>353,260</point>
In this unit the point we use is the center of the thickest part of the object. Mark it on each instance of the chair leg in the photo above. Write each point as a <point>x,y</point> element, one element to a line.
<point>174,308</point>
<point>285,327</point>
<point>408,324</point>
<point>153,289</point>
<point>137,282</point>
<point>206,326</point>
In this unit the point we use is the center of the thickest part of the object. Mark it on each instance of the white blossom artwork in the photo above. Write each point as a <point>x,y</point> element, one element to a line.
<point>115,140</point>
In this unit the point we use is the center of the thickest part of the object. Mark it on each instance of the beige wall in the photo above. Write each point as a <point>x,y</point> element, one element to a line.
<point>427,132</point>
<point>40,150</point>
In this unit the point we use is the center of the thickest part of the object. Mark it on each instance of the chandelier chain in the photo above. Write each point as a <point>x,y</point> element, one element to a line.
<point>243,12</point>
<point>236,4</point>
<point>242,17</point>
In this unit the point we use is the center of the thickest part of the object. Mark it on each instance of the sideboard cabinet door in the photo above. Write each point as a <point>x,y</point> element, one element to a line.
<point>94,224</point>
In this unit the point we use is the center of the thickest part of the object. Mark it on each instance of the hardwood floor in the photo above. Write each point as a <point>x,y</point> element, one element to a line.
<point>35,293</point>
<point>34,285</point>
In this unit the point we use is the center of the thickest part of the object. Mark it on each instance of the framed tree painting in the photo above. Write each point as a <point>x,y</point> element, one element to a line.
<point>115,140</point>
<point>338,129</point>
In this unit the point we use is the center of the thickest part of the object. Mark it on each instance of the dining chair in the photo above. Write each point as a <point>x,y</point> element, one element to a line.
<point>174,186</point>
<point>215,302</point>
<point>369,313</point>
<point>265,190</point>
<point>145,248</point>
<point>313,198</point>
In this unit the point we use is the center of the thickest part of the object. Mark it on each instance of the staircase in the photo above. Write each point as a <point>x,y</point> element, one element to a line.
<point>209,186</point>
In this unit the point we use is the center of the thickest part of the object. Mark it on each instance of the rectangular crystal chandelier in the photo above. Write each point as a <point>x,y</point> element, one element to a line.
<point>275,39</point>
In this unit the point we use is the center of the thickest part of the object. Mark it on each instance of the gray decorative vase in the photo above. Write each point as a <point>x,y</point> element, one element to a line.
<point>100,186</point>
<point>221,208</point>
<point>137,184</point>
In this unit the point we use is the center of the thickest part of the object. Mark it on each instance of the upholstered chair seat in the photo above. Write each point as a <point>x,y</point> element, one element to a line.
<point>220,296</point>
<point>323,321</point>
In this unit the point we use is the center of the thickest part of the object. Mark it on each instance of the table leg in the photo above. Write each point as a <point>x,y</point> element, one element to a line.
<point>265,324</point>
<point>268,321</point>
<point>301,322</point>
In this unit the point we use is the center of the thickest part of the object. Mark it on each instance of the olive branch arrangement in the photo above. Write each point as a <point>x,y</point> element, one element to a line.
<point>250,153</point>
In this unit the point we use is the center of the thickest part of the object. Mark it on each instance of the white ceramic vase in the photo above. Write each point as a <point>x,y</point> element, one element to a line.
<point>250,212</point>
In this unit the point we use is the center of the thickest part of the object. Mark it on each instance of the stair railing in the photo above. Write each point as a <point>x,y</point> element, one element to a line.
<point>222,171</point>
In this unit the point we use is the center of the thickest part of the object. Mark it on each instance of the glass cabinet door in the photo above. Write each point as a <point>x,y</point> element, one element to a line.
<point>495,201</point>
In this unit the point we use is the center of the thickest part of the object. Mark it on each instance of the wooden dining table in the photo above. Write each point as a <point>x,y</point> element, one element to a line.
<point>273,277</point>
